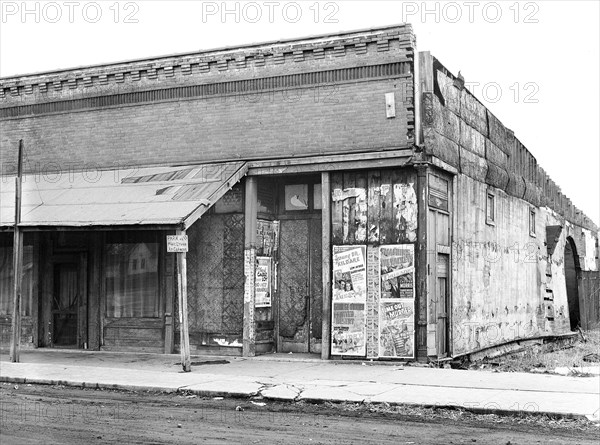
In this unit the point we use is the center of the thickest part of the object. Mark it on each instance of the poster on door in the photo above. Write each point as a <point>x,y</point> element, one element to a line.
<point>396,328</point>
<point>262,282</point>
<point>397,271</point>
<point>349,295</point>
<point>397,301</point>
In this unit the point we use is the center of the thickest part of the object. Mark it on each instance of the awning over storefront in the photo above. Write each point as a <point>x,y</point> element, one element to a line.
<point>175,196</point>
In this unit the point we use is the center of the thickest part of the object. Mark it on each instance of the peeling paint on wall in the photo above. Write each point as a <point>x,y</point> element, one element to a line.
<point>505,286</point>
<point>589,261</point>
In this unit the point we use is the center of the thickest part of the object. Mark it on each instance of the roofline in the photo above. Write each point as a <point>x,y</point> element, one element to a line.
<point>306,39</point>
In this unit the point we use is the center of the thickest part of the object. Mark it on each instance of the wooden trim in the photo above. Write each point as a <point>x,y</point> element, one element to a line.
<point>223,188</point>
<point>167,286</point>
<point>421,263</point>
<point>326,258</point>
<point>443,165</point>
<point>95,290</point>
<point>91,228</point>
<point>35,298</point>
<point>394,157</point>
<point>82,316</point>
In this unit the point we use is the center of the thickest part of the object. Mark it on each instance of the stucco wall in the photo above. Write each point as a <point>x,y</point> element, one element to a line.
<point>500,271</point>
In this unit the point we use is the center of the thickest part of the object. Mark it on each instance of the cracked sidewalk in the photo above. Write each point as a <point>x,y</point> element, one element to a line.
<point>313,381</point>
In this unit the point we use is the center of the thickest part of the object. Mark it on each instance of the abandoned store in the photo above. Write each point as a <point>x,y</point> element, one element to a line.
<point>342,195</point>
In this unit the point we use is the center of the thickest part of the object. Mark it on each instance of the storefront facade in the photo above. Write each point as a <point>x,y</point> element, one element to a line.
<point>322,185</point>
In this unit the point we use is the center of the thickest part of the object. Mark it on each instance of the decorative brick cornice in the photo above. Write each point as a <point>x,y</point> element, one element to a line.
<point>246,86</point>
<point>276,53</point>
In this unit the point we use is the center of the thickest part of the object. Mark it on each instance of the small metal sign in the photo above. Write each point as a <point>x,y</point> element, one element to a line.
<point>177,243</point>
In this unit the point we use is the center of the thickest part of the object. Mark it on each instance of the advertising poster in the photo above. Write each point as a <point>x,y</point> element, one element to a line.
<point>396,328</point>
<point>397,301</point>
<point>397,271</point>
<point>267,233</point>
<point>262,283</point>
<point>349,294</point>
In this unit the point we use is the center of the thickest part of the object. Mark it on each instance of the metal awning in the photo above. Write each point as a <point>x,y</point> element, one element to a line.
<point>175,196</point>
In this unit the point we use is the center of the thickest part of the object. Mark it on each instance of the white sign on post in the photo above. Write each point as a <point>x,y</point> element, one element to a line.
<point>177,243</point>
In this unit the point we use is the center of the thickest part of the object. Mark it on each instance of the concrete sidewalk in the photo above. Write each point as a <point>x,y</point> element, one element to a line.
<point>298,377</point>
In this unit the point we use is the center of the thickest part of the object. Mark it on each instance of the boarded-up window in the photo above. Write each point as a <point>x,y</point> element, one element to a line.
<point>131,276</point>
<point>7,280</point>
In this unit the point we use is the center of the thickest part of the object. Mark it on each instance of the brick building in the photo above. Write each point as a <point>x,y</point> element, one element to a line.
<point>342,195</point>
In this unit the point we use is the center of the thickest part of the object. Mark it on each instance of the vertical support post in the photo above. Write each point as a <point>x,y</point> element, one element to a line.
<point>17,263</point>
<point>326,257</point>
<point>422,266</point>
<point>168,288</point>
<point>184,335</point>
<point>250,214</point>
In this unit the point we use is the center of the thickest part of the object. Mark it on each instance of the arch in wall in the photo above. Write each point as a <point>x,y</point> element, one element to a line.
<point>572,272</point>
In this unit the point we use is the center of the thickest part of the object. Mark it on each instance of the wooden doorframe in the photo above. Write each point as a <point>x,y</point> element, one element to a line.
<point>79,258</point>
<point>436,248</point>
<point>311,216</point>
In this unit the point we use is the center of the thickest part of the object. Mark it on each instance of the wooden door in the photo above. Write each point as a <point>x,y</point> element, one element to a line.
<point>438,270</point>
<point>300,286</point>
<point>68,308</point>
<point>442,305</point>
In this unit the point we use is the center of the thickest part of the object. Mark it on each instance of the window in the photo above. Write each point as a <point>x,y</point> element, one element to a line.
<point>532,221</point>
<point>132,291</point>
<point>490,209</point>
<point>296,197</point>
<point>7,281</point>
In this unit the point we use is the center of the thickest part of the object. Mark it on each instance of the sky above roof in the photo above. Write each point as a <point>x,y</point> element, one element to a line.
<point>535,65</point>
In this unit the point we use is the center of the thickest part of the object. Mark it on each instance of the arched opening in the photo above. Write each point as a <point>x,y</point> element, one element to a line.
<point>571,266</point>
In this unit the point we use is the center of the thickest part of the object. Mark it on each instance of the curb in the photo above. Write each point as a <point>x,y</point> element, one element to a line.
<point>242,395</point>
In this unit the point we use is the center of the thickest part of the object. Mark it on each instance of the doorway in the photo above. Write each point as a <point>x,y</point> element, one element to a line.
<point>571,280</point>
<point>439,229</point>
<point>300,282</point>
<point>68,306</point>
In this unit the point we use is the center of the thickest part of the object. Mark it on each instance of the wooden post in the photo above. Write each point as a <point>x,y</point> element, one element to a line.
<point>168,288</point>
<point>251,209</point>
<point>17,263</point>
<point>326,257</point>
<point>422,263</point>
<point>184,336</point>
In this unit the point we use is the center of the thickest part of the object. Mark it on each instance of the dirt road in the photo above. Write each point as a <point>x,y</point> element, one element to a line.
<point>43,414</point>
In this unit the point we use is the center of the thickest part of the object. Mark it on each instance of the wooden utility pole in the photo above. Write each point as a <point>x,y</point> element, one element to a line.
<point>184,336</point>
<point>17,263</point>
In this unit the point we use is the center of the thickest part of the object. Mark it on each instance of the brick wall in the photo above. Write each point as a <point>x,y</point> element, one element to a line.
<point>317,95</point>
<point>212,129</point>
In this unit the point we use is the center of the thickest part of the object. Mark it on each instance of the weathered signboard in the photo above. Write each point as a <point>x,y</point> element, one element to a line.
<point>177,243</point>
